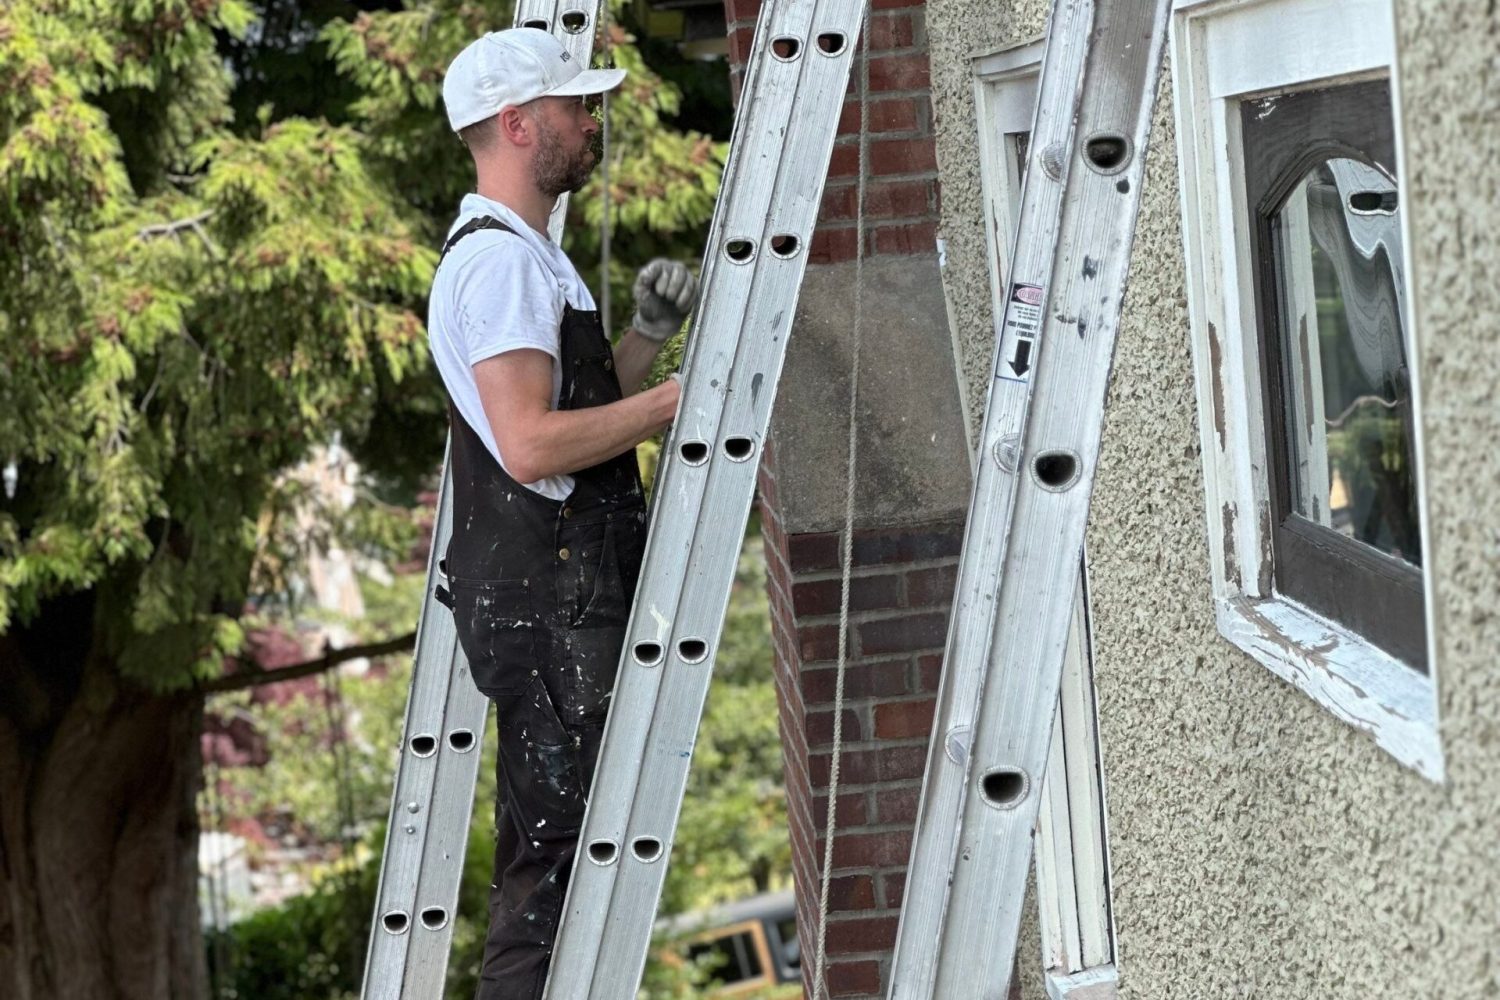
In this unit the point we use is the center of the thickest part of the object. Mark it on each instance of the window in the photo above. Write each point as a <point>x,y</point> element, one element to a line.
<point>1289,152</point>
<point>1321,188</point>
<point>1071,857</point>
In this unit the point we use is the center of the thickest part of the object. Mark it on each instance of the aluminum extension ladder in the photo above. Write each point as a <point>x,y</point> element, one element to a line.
<point>773,184</point>
<point>757,252</point>
<point>1013,604</point>
<point>422,867</point>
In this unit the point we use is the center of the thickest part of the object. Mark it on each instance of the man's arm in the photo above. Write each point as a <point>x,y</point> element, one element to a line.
<point>537,441</point>
<point>633,357</point>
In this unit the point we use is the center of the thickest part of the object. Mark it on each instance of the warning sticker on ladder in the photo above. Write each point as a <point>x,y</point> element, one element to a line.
<point>1023,327</point>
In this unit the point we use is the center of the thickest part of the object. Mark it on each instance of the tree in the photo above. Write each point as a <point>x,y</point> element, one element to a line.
<point>200,281</point>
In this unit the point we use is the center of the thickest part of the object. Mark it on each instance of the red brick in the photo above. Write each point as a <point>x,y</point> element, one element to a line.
<point>905,634</point>
<point>901,720</point>
<point>902,156</point>
<point>894,4</point>
<point>883,199</point>
<point>898,198</point>
<point>891,31</point>
<point>903,72</point>
<point>870,850</point>
<point>909,238</point>
<point>895,114</point>
<point>897,805</point>
<point>895,889</point>
<point>867,767</point>
<point>883,679</point>
<point>929,672</point>
<point>741,10</point>
<point>740,40</point>
<point>907,544</point>
<point>812,551</point>
<point>851,892</point>
<point>844,162</point>
<point>848,979</point>
<point>830,246</point>
<point>818,642</point>
<point>866,593</point>
<point>931,587</point>
<point>846,937</point>
<point>819,727</point>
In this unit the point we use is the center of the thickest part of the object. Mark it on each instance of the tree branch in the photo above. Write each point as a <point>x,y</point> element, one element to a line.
<point>329,660</point>
<point>172,228</point>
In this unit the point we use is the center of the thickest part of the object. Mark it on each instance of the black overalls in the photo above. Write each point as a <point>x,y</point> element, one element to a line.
<point>541,591</point>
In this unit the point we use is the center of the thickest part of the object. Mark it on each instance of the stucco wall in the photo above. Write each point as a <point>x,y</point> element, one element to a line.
<point>1260,847</point>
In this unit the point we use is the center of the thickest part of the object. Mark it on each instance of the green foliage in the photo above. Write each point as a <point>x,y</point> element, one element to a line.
<point>183,313</point>
<point>206,276</point>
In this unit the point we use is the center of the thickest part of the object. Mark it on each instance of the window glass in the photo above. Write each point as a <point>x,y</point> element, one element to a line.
<point>1347,379</point>
<point>1321,183</point>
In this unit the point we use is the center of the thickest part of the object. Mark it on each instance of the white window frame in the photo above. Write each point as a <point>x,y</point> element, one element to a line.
<point>1071,851</point>
<point>1223,50</point>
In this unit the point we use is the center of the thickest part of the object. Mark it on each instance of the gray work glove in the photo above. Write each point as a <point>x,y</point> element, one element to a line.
<point>664,292</point>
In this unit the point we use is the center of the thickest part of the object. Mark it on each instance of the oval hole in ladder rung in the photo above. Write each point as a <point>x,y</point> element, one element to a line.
<point>424,744</point>
<point>1003,787</point>
<point>831,43</point>
<point>1056,470</point>
<point>538,23</point>
<point>1373,202</point>
<point>647,654</point>
<point>434,918</point>
<point>784,245</point>
<point>1107,152</point>
<point>461,740</point>
<point>395,922</point>
<point>786,48</point>
<point>739,448</point>
<point>646,849</point>
<point>603,852</point>
<point>693,452</point>
<point>740,250</point>
<point>574,21</point>
<point>692,650</point>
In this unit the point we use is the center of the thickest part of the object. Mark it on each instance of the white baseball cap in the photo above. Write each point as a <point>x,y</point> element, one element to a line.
<point>509,68</point>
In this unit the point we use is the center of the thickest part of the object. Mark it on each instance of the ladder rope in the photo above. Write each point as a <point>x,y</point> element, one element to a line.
<point>605,195</point>
<point>830,825</point>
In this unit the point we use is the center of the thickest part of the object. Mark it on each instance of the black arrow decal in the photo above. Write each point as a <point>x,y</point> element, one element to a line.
<point>1021,363</point>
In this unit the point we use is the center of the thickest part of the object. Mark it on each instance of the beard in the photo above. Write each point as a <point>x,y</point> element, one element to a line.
<point>554,170</point>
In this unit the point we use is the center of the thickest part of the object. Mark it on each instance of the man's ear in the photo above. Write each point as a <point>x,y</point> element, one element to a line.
<point>516,126</point>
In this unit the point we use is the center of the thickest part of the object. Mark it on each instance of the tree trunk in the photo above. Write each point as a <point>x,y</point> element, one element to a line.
<point>98,822</point>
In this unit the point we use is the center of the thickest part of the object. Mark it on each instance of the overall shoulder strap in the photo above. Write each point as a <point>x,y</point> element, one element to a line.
<point>474,226</point>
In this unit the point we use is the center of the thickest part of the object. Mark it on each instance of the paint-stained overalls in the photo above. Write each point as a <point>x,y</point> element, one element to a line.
<point>540,590</point>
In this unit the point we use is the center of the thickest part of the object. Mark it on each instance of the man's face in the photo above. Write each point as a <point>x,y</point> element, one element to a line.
<point>565,149</point>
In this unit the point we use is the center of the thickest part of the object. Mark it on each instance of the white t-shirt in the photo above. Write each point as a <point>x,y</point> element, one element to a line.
<point>498,292</point>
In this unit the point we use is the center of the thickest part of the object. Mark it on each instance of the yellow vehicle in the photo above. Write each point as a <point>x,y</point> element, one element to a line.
<point>749,945</point>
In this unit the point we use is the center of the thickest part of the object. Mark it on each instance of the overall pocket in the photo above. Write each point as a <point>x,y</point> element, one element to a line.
<point>503,637</point>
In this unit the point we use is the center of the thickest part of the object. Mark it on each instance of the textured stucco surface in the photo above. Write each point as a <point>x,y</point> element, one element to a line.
<point>1260,847</point>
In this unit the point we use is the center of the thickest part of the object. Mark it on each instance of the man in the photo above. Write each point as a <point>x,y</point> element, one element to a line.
<point>549,520</point>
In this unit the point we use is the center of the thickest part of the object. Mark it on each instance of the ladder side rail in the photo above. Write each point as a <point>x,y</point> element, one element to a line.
<point>393,927</point>
<point>935,844</point>
<point>675,497</point>
<point>751,387</point>
<point>1062,416</point>
<point>433,798</point>
<point>745,305</point>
